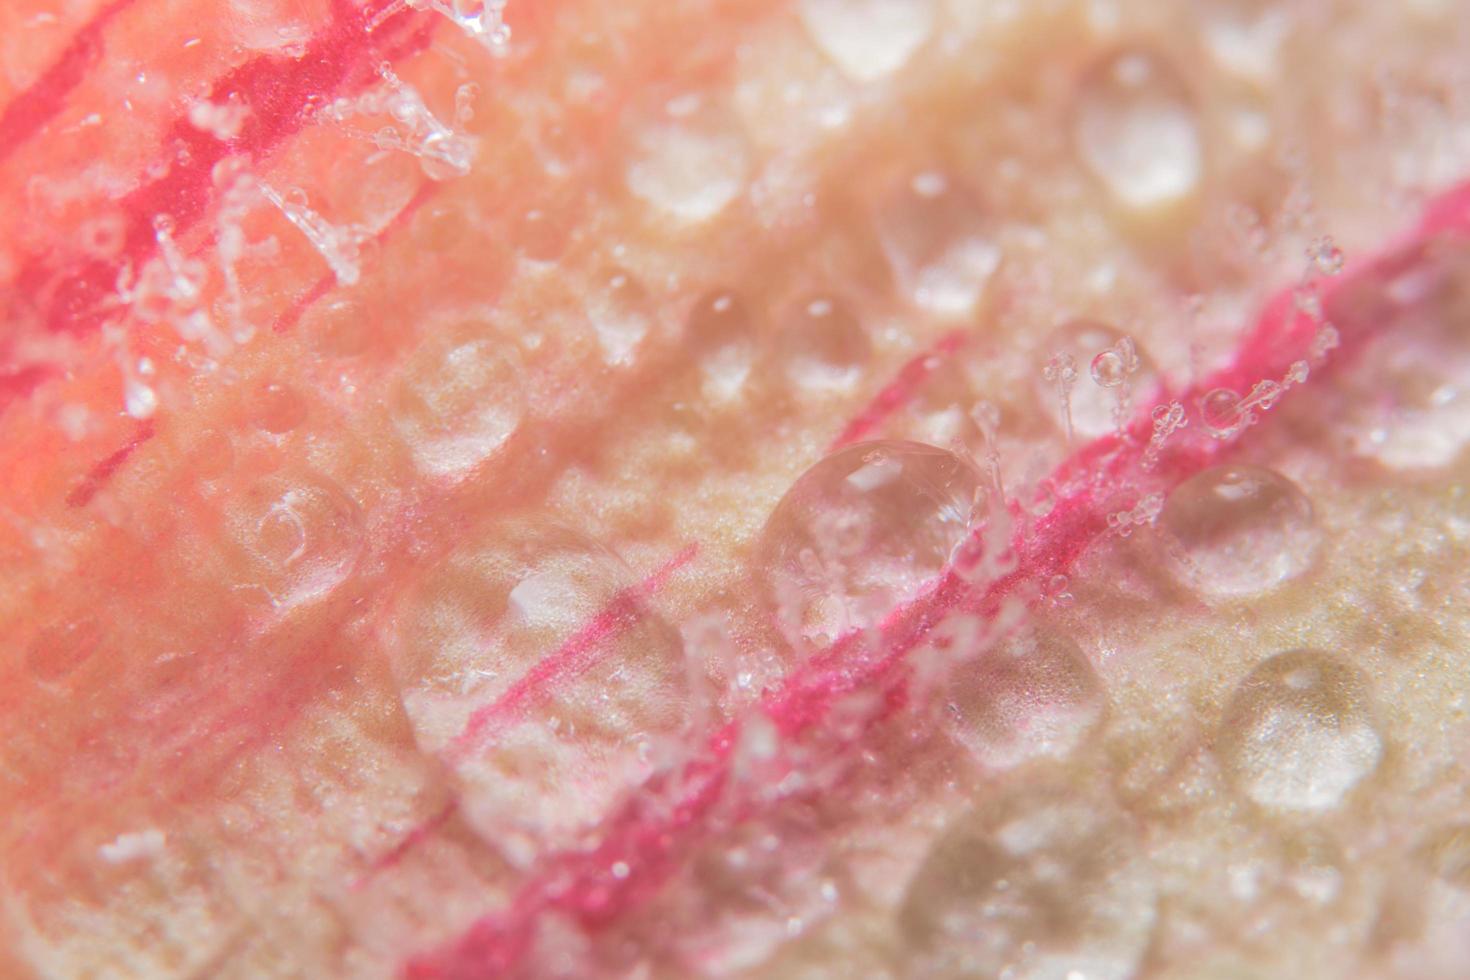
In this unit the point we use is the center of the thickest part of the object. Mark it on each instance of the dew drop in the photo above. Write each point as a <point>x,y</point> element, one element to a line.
<point>544,758</point>
<point>1043,883</point>
<point>1239,530</point>
<point>935,237</point>
<point>691,162</point>
<point>1221,412</point>
<point>868,39</point>
<point>862,531</point>
<point>296,535</point>
<point>1245,36</point>
<point>1092,405</point>
<point>1137,131</point>
<point>1033,696</point>
<point>621,315</point>
<point>457,401</point>
<point>823,346</point>
<point>1298,733</point>
<point>719,328</point>
<point>278,408</point>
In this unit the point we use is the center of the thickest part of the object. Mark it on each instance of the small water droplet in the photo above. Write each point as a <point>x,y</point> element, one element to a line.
<point>458,400</point>
<point>1221,412</point>
<point>1137,130</point>
<point>278,408</point>
<point>1298,732</point>
<point>823,345</point>
<point>1032,696</point>
<point>690,162</point>
<point>1092,406</point>
<point>1045,881</point>
<point>936,238</point>
<point>1239,530</point>
<point>868,39</point>
<point>297,535</point>
<point>622,315</point>
<point>861,532</point>
<point>719,328</point>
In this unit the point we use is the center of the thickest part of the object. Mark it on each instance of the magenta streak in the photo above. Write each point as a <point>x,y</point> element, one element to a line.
<point>30,111</point>
<point>645,838</point>
<point>582,651</point>
<point>277,91</point>
<point>97,477</point>
<point>900,391</point>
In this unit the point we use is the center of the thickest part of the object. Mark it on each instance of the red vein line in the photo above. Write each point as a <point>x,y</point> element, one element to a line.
<point>643,839</point>
<point>277,92</point>
<point>581,651</point>
<point>30,111</point>
<point>98,475</point>
<point>900,391</point>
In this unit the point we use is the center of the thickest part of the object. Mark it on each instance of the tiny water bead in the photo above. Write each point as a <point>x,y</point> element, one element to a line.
<point>936,238</point>
<point>1032,696</point>
<point>1298,733</point>
<point>868,39</point>
<point>690,162</point>
<point>457,401</point>
<point>719,328</point>
<point>1044,884</point>
<point>540,758</point>
<point>278,408</point>
<point>297,535</point>
<point>1239,530</point>
<point>1088,373</point>
<point>1137,130</point>
<point>621,314</point>
<point>823,345</point>
<point>861,532</point>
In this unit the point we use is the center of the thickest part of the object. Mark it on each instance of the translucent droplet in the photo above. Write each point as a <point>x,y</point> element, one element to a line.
<point>1035,695</point>
<point>719,328</point>
<point>1245,36</point>
<point>1221,412</point>
<point>1239,530</point>
<point>823,346</point>
<point>622,316</point>
<point>868,39</point>
<point>278,408</point>
<point>1045,883</point>
<point>297,535</point>
<point>690,162</point>
<point>1137,130</point>
<point>1093,407</point>
<point>936,238</point>
<point>861,532</point>
<point>538,757</point>
<point>1298,733</point>
<point>457,401</point>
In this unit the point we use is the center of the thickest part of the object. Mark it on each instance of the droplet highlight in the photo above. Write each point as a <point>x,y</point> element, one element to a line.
<point>936,238</point>
<point>868,39</point>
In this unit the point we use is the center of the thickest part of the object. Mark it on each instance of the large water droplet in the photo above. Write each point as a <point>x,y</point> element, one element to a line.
<point>1137,130</point>
<point>1298,732</point>
<point>528,660</point>
<point>935,237</point>
<point>1239,530</point>
<point>823,345</point>
<point>297,535</point>
<point>1106,373</point>
<point>1046,883</point>
<point>861,532</point>
<point>457,401</point>
<point>691,162</point>
<point>1035,695</point>
<point>868,39</point>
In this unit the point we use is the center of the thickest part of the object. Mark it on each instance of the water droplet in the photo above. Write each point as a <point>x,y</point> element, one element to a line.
<point>544,758</point>
<point>1137,131</point>
<point>861,532</point>
<point>823,346</point>
<point>1032,696</point>
<point>935,237</point>
<point>540,236</point>
<point>1043,883</point>
<point>1220,409</point>
<point>1245,36</point>
<point>296,535</point>
<point>278,408</point>
<point>691,162</point>
<point>60,649</point>
<point>457,401</point>
<point>868,39</point>
<point>1091,405</point>
<point>1298,732</point>
<point>1325,256</point>
<point>719,328</point>
<point>621,314</point>
<point>1239,530</point>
